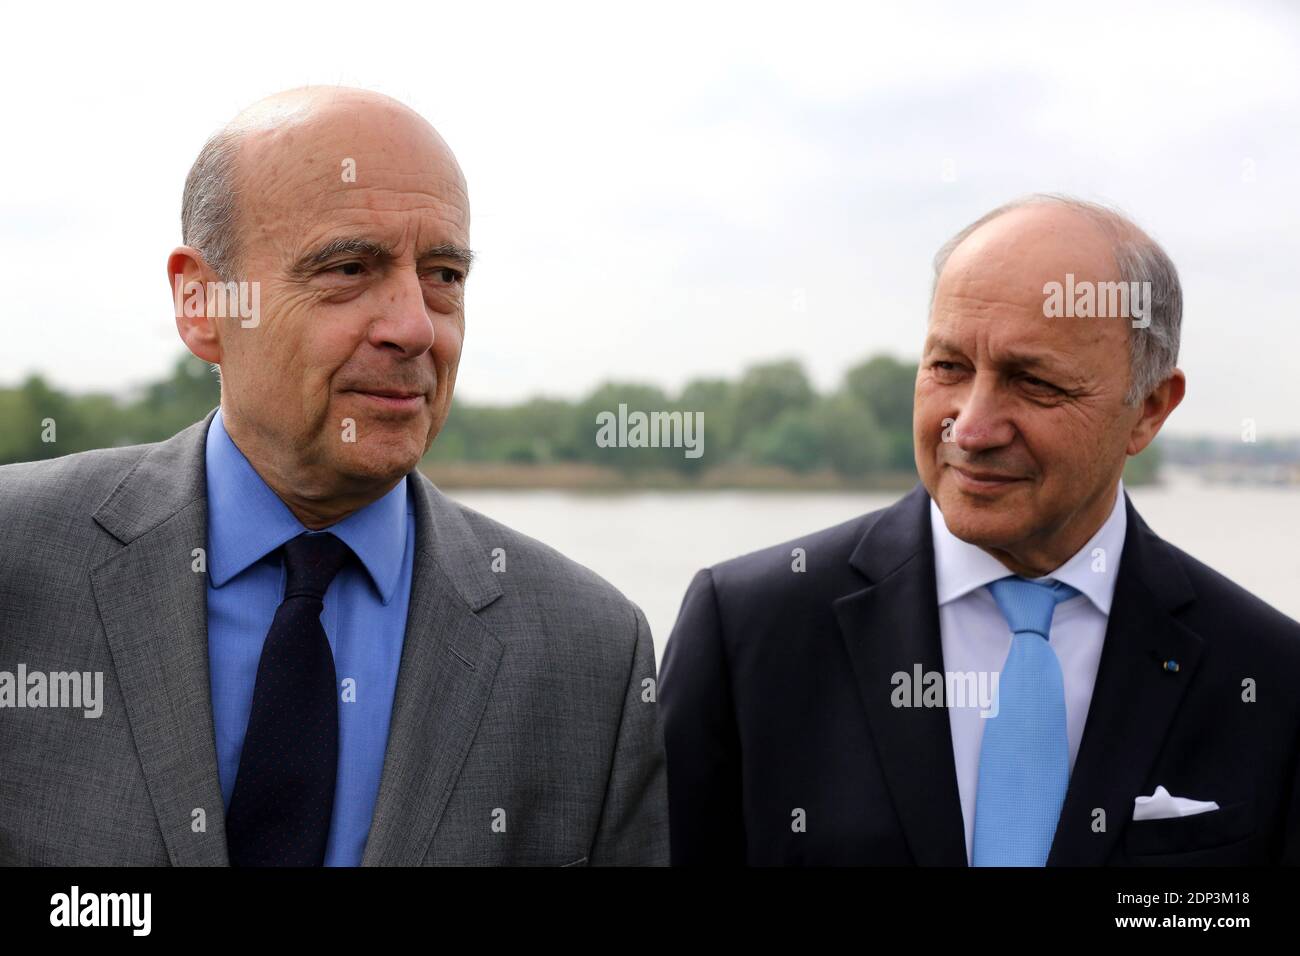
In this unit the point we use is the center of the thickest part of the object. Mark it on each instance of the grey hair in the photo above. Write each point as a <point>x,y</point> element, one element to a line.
<point>1153,351</point>
<point>208,208</point>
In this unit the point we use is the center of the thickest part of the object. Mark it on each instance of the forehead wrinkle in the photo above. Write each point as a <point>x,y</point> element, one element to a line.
<point>273,162</point>
<point>967,286</point>
<point>1013,355</point>
<point>386,199</point>
<point>425,223</point>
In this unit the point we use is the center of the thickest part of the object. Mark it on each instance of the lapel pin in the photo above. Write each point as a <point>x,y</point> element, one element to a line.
<point>1171,666</point>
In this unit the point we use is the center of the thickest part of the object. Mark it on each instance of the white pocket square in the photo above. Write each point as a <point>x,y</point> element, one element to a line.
<point>1161,805</point>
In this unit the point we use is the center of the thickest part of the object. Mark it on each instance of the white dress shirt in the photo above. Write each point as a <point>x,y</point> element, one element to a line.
<point>975,636</point>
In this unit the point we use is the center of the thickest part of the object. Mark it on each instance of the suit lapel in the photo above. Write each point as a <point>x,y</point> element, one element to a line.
<point>449,660</point>
<point>153,608</point>
<point>892,625</point>
<point>1134,699</point>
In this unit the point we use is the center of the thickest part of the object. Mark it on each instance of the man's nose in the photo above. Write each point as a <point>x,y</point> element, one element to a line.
<point>982,421</point>
<point>403,321</point>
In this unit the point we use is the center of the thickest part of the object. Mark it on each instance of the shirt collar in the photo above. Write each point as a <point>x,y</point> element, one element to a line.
<point>247,520</point>
<point>961,567</point>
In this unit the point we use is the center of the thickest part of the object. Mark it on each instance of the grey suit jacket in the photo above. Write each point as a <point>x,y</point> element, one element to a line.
<point>524,728</point>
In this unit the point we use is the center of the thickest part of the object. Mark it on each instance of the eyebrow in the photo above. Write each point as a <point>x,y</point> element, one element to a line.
<point>373,249</point>
<point>1010,359</point>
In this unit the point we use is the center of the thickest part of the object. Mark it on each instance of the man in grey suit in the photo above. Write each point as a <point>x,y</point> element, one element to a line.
<point>270,640</point>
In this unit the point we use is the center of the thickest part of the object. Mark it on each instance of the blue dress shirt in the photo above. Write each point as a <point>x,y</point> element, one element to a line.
<point>364,619</point>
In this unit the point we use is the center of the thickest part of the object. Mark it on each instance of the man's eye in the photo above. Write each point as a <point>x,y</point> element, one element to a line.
<point>447,276</point>
<point>347,268</point>
<point>1039,384</point>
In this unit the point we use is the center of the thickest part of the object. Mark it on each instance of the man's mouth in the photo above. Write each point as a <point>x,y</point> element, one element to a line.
<point>973,479</point>
<point>395,399</point>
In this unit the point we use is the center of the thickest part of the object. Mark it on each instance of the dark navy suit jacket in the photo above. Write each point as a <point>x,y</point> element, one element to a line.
<point>784,748</point>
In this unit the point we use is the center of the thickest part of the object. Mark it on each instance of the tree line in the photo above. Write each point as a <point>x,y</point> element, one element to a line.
<point>770,415</point>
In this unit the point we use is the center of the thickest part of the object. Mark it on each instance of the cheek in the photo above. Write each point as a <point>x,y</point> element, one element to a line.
<point>448,338</point>
<point>279,339</point>
<point>1064,448</point>
<point>928,413</point>
<point>316,345</point>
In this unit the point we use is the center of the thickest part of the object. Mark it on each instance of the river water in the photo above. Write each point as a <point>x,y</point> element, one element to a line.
<point>650,544</point>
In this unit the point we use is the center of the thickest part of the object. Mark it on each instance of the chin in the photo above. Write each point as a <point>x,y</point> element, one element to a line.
<point>382,464</point>
<point>986,524</point>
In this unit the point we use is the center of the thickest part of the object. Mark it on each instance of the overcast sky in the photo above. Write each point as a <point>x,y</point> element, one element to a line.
<point>656,193</point>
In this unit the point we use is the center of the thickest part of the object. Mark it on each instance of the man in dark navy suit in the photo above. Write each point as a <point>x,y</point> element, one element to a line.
<point>1007,667</point>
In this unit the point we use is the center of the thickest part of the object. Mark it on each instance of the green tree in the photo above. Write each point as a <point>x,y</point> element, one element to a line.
<point>885,386</point>
<point>767,391</point>
<point>853,442</point>
<point>714,399</point>
<point>793,441</point>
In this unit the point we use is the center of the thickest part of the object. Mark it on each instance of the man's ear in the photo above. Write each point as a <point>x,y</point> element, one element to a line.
<point>1155,409</point>
<point>188,275</point>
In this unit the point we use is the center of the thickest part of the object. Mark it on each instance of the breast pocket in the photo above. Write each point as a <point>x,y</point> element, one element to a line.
<point>1215,837</point>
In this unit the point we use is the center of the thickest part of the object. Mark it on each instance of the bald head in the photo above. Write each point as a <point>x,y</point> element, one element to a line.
<point>232,162</point>
<point>1127,252</point>
<point>344,217</point>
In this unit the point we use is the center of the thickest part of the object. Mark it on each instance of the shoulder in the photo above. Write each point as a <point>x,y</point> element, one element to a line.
<point>814,553</point>
<point>785,587</point>
<point>542,587</point>
<point>47,512</point>
<point>34,492</point>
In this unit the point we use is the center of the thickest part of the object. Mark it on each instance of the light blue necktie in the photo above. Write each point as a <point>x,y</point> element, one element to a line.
<point>1025,756</point>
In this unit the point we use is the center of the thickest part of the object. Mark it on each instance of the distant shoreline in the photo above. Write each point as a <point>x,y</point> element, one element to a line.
<point>579,476</point>
<point>585,477</point>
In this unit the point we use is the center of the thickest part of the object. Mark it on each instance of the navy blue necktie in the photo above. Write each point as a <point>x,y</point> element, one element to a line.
<point>284,791</point>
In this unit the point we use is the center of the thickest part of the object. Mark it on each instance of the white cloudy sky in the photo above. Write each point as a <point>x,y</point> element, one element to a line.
<point>655,186</point>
